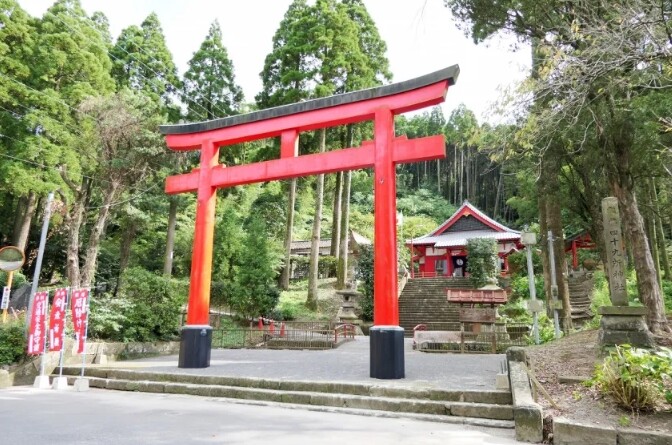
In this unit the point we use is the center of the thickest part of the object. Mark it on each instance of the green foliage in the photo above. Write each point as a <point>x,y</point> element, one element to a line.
<point>546,329</point>
<point>12,342</point>
<point>142,61</point>
<point>364,275</point>
<point>18,279</point>
<point>147,308</point>
<point>637,379</point>
<point>424,202</point>
<point>599,298</point>
<point>210,88</point>
<point>667,295</point>
<point>518,263</point>
<point>515,310</point>
<point>254,291</point>
<point>109,317</point>
<point>520,288</point>
<point>293,310</point>
<point>482,260</point>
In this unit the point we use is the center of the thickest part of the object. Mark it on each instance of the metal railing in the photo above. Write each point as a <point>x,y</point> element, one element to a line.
<point>285,336</point>
<point>475,339</point>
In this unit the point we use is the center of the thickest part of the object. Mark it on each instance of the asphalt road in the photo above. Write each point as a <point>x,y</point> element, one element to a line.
<point>29,416</point>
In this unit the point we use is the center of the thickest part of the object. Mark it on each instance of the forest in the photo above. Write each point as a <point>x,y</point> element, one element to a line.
<point>80,110</point>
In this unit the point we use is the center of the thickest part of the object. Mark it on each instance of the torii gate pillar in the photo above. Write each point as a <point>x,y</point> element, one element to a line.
<point>379,104</point>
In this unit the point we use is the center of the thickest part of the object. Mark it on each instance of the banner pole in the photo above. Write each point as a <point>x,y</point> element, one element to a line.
<point>65,323</point>
<point>82,384</point>
<point>46,332</point>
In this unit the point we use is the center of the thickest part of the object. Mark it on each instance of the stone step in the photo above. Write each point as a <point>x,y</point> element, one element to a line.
<point>491,407</point>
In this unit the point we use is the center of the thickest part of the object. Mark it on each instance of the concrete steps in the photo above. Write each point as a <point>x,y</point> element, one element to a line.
<point>424,301</point>
<point>482,408</point>
<point>580,291</point>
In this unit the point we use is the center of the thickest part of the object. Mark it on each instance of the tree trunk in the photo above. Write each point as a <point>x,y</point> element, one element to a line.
<point>342,265</point>
<point>647,284</point>
<point>650,230</point>
<point>286,271</point>
<point>74,221</point>
<point>554,215</point>
<point>336,217</point>
<point>311,300</point>
<point>498,195</point>
<point>21,238</point>
<point>90,261</point>
<point>170,241</point>
<point>660,235</point>
<point>19,213</point>
<point>127,238</point>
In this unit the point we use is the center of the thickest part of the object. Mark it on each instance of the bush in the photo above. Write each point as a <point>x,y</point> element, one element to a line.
<point>147,308</point>
<point>17,280</point>
<point>520,288</point>
<point>108,318</point>
<point>667,295</point>
<point>482,260</point>
<point>12,342</point>
<point>638,379</point>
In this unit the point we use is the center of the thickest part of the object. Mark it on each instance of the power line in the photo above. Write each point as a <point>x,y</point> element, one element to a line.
<point>74,129</point>
<point>114,204</point>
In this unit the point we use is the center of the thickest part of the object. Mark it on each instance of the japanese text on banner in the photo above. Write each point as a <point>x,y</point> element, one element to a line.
<point>57,320</point>
<point>37,327</point>
<point>79,313</point>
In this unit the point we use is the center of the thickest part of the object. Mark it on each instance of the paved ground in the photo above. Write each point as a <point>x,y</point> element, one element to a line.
<point>36,417</point>
<point>347,363</point>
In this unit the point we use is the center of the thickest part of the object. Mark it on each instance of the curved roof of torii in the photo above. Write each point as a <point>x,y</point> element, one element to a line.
<point>473,224</point>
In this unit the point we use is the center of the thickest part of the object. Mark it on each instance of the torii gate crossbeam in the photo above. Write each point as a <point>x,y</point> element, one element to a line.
<point>383,153</point>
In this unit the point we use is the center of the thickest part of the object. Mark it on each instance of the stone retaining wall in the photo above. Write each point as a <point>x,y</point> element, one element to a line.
<point>96,352</point>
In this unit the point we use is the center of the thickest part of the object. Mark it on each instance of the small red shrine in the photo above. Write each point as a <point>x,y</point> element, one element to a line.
<point>443,252</point>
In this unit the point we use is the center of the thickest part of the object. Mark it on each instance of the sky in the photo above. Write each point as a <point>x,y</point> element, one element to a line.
<point>421,37</point>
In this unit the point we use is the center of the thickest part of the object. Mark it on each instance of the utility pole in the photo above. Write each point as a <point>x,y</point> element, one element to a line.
<point>40,255</point>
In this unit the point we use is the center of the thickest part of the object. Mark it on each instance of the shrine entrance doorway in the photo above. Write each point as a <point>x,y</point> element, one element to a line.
<point>379,105</point>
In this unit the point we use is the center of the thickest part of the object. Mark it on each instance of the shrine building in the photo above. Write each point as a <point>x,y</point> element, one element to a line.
<point>443,252</point>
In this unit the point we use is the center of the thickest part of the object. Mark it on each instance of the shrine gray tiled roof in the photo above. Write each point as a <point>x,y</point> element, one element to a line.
<point>454,239</point>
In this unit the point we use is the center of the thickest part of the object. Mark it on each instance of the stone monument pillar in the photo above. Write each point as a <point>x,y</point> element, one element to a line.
<point>620,323</point>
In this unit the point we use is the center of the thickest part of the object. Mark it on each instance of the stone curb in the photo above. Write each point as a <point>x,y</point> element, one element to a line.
<point>527,414</point>
<point>445,408</point>
<point>493,397</point>
<point>371,406</point>
<point>568,432</point>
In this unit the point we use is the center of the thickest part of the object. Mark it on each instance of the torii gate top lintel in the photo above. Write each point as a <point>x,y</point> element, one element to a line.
<point>340,109</point>
<point>379,105</point>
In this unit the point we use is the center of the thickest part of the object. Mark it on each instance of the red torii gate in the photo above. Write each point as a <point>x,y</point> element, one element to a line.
<point>379,104</point>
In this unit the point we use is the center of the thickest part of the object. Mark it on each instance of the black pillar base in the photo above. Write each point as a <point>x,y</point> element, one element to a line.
<point>195,347</point>
<point>387,352</point>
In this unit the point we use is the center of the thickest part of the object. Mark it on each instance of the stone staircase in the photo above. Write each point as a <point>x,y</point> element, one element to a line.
<point>424,301</point>
<point>580,291</point>
<point>486,408</point>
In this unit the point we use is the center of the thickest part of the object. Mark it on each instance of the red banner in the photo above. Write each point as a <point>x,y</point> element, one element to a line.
<point>57,320</point>
<point>38,321</point>
<point>79,313</point>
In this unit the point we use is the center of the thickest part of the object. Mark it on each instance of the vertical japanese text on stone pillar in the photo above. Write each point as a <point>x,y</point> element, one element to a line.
<point>613,241</point>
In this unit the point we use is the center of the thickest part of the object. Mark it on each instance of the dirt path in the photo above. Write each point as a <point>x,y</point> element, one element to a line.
<point>577,356</point>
